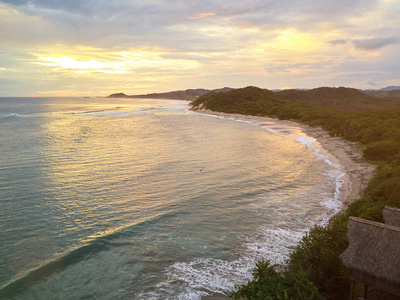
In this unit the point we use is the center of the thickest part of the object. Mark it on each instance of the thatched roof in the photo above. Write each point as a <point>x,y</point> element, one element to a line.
<point>374,254</point>
<point>391,216</point>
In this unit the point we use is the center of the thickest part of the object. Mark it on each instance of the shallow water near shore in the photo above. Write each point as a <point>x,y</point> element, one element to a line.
<point>143,199</point>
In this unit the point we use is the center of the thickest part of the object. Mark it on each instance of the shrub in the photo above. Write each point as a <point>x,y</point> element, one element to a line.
<point>318,254</point>
<point>383,150</point>
<point>268,284</point>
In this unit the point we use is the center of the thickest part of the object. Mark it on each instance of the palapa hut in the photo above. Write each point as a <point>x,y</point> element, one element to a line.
<point>391,216</point>
<point>374,253</point>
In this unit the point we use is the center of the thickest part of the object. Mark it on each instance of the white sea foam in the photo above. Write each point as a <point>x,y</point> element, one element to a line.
<point>106,113</point>
<point>336,204</point>
<point>172,291</point>
<point>210,274</point>
<point>141,111</point>
<point>272,244</point>
<point>309,142</point>
<point>276,244</point>
<point>286,131</point>
<point>304,140</point>
<point>12,116</point>
<point>190,280</point>
<point>175,107</point>
<point>221,276</point>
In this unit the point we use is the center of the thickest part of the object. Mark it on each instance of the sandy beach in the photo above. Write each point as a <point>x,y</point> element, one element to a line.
<point>339,151</point>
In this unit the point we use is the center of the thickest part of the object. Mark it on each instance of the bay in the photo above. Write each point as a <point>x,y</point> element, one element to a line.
<point>143,199</point>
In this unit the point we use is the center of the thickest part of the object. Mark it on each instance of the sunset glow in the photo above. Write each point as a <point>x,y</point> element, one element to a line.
<point>78,48</point>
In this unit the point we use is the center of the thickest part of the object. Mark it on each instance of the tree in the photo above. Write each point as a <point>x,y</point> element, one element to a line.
<point>384,150</point>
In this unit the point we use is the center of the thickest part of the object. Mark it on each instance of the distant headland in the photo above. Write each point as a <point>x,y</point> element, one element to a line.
<point>189,94</point>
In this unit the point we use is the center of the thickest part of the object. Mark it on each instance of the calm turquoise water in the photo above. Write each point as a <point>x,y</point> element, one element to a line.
<point>142,199</point>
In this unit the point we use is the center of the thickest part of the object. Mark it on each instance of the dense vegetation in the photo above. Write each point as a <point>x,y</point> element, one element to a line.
<point>314,269</point>
<point>341,98</point>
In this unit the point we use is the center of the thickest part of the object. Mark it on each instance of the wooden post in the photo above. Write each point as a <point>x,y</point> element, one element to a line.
<point>352,290</point>
<point>365,291</point>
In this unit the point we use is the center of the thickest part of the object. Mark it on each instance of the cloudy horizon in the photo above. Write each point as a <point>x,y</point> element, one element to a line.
<point>98,47</point>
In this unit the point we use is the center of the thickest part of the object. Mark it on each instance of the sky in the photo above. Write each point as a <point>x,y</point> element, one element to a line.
<point>98,47</point>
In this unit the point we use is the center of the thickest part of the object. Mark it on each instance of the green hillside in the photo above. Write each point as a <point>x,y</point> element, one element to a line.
<point>314,270</point>
<point>339,98</point>
<point>326,94</point>
<point>345,99</point>
<point>249,100</point>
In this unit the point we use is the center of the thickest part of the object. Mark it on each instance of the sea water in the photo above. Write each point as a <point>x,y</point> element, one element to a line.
<point>144,199</point>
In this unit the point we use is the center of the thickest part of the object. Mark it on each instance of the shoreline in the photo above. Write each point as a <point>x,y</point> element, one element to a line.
<point>341,152</point>
<point>345,154</point>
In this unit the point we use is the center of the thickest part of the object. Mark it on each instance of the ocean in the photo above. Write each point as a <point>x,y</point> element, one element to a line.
<point>145,199</point>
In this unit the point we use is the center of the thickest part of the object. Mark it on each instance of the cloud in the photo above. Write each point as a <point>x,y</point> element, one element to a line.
<point>338,42</point>
<point>300,14</point>
<point>374,43</point>
<point>193,41</point>
<point>87,7</point>
<point>372,83</point>
<point>141,18</point>
<point>193,26</point>
<point>298,68</point>
<point>117,23</point>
